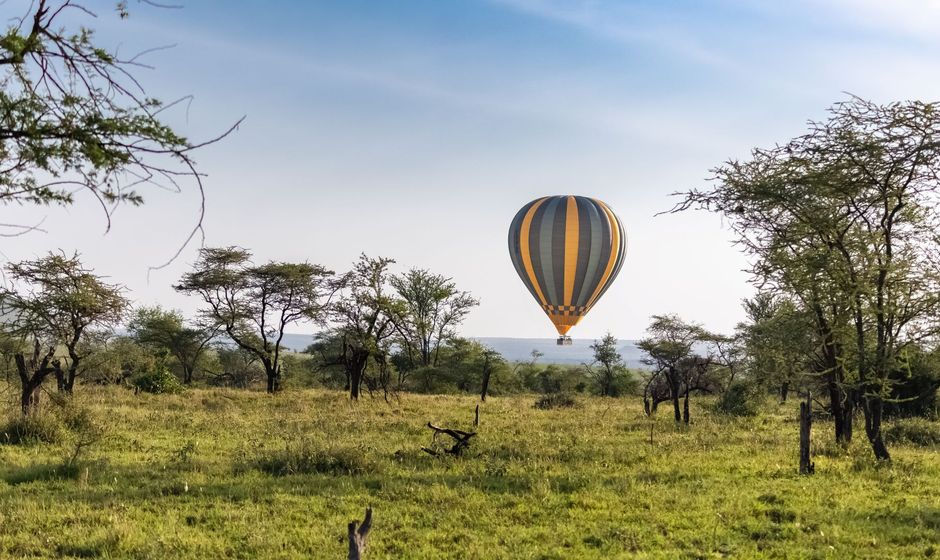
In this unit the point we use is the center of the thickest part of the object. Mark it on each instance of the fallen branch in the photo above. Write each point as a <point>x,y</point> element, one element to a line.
<point>462,440</point>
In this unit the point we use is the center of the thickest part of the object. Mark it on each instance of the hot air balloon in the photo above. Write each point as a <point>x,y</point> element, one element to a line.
<point>568,250</point>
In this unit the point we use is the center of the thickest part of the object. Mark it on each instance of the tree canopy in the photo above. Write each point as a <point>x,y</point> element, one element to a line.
<point>55,301</point>
<point>254,304</point>
<point>76,118</point>
<point>843,220</point>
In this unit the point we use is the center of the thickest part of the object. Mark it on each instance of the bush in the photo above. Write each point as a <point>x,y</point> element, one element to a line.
<point>742,398</point>
<point>303,457</point>
<point>158,381</point>
<point>914,389</point>
<point>34,428</point>
<point>915,431</point>
<point>65,422</point>
<point>556,400</point>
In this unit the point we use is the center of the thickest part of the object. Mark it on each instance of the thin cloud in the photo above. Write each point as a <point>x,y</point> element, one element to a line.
<point>598,19</point>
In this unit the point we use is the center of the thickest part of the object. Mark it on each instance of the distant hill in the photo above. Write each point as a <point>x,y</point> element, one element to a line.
<point>297,342</point>
<point>520,349</point>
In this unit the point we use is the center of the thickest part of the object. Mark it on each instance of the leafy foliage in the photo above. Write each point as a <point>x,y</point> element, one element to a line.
<point>556,400</point>
<point>74,118</point>
<point>741,398</point>
<point>916,431</point>
<point>431,309</point>
<point>608,371</point>
<point>165,332</point>
<point>158,381</point>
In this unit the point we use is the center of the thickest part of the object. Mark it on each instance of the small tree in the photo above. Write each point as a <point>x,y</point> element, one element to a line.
<point>236,367</point>
<point>432,310</point>
<point>55,301</point>
<point>670,351</point>
<point>490,361</point>
<point>165,331</point>
<point>778,342</point>
<point>363,318</point>
<point>608,368</point>
<point>116,360</point>
<point>254,304</point>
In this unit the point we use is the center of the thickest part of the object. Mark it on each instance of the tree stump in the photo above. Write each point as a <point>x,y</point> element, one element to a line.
<point>358,534</point>
<point>806,427</point>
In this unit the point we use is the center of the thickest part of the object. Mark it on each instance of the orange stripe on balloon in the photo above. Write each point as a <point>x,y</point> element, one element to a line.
<point>524,248</point>
<point>614,250</point>
<point>571,247</point>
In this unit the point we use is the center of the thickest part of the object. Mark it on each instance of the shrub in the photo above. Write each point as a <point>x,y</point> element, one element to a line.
<point>304,457</point>
<point>158,381</point>
<point>914,388</point>
<point>556,400</point>
<point>742,398</point>
<point>44,472</point>
<point>916,431</point>
<point>34,428</point>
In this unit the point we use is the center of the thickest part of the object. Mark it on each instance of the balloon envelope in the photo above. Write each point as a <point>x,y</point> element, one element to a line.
<point>567,250</point>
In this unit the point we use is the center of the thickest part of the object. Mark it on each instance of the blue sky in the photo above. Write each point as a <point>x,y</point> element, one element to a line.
<point>416,129</point>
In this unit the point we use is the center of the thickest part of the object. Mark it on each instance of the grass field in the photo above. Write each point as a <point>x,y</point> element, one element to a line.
<point>234,474</point>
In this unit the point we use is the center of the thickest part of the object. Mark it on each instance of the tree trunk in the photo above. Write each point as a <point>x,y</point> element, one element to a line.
<point>784,391</point>
<point>187,375</point>
<point>70,376</point>
<point>806,427</point>
<point>674,394</point>
<point>59,380</point>
<point>29,398</point>
<point>486,385</point>
<point>274,378</point>
<point>848,415</point>
<point>354,383</point>
<point>838,411</point>
<point>355,368</point>
<point>873,412</point>
<point>685,407</point>
<point>30,382</point>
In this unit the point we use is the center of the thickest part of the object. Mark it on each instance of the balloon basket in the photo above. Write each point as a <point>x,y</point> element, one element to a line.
<point>564,341</point>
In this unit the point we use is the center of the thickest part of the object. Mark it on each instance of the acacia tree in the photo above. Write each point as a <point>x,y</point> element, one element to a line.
<point>166,331</point>
<point>254,304</point>
<point>55,301</point>
<point>670,351</point>
<point>843,218</point>
<point>432,309</point>
<point>75,118</point>
<point>363,319</point>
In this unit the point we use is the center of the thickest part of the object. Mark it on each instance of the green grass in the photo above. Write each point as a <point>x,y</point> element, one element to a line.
<point>232,474</point>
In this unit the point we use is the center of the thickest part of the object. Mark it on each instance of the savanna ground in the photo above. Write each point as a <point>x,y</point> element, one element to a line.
<point>237,474</point>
